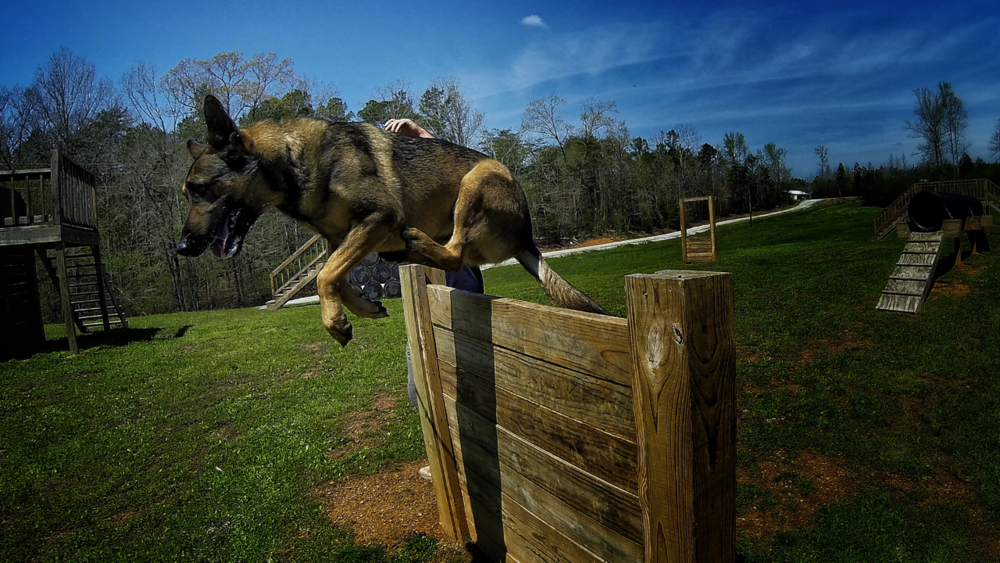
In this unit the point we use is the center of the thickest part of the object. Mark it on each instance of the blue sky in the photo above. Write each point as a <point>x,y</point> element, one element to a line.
<point>799,74</point>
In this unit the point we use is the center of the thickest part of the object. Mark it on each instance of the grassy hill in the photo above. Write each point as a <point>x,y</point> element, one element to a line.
<point>863,436</point>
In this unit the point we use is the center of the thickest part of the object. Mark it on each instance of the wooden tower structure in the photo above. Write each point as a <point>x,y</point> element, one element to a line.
<point>51,212</point>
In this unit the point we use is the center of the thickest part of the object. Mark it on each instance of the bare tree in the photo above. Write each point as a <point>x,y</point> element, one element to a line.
<point>540,118</point>
<point>146,97</point>
<point>16,122</point>
<point>66,94</point>
<point>956,120</point>
<point>929,125</point>
<point>448,114</point>
<point>241,85</point>
<point>596,116</point>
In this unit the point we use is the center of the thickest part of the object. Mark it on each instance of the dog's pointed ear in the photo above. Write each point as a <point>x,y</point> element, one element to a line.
<point>196,149</point>
<point>221,128</point>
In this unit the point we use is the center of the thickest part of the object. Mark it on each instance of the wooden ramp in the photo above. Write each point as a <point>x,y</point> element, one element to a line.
<point>913,278</point>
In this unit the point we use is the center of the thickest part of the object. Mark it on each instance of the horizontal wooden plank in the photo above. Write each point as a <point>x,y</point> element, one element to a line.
<point>911,273</point>
<point>906,287</point>
<point>489,480</point>
<point>917,260</point>
<point>951,228</point>
<point>900,303</point>
<point>590,400</point>
<point>531,539</point>
<point>558,334</point>
<point>603,455</point>
<point>608,504</point>
<point>922,247</point>
<point>926,237</point>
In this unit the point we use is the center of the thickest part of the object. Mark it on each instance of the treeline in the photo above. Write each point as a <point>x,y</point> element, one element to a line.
<point>585,178</point>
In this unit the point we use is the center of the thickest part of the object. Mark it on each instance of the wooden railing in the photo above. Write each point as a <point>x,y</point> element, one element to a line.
<point>60,195</point>
<point>984,190</point>
<point>310,253</point>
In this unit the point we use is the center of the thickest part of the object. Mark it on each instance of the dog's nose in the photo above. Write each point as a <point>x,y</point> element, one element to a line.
<point>184,247</point>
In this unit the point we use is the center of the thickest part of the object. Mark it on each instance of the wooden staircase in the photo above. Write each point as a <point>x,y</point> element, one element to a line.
<point>297,271</point>
<point>911,282</point>
<point>92,303</point>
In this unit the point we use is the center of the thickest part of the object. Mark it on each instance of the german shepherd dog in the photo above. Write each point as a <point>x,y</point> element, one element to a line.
<point>414,200</point>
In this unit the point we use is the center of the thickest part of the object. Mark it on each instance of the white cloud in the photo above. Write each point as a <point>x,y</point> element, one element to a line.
<point>533,21</point>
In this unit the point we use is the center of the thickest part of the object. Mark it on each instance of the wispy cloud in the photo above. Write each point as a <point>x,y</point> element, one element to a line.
<point>533,21</point>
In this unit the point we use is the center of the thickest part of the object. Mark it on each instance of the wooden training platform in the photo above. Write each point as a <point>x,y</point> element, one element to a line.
<point>568,437</point>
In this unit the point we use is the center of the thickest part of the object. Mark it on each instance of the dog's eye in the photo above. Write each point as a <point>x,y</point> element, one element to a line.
<point>195,191</point>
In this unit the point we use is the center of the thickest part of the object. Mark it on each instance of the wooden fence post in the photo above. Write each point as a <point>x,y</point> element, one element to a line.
<point>433,418</point>
<point>681,333</point>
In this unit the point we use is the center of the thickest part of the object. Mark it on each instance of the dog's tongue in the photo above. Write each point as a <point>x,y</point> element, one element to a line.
<point>219,246</point>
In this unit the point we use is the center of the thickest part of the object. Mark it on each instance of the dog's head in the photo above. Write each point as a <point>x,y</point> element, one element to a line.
<point>223,187</point>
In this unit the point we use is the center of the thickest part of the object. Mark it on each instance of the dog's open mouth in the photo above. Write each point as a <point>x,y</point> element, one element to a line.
<point>227,230</point>
<point>228,241</point>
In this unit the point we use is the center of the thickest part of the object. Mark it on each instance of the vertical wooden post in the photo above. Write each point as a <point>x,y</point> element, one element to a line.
<point>67,307</point>
<point>711,222</point>
<point>55,184</point>
<point>433,418</point>
<point>681,332</point>
<point>684,234</point>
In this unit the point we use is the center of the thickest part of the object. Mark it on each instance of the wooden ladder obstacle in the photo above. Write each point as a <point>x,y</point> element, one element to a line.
<point>911,282</point>
<point>567,437</point>
<point>698,249</point>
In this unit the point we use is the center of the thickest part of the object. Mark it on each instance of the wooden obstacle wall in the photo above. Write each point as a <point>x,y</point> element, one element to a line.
<point>561,436</point>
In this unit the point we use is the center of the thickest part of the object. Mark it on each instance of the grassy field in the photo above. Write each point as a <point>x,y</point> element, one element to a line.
<point>863,436</point>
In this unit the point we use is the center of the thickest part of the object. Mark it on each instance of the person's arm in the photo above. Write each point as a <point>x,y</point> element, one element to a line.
<point>407,127</point>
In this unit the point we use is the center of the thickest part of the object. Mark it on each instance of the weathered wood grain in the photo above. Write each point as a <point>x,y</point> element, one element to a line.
<point>485,488</point>
<point>603,455</point>
<point>906,287</point>
<point>924,259</point>
<point>590,400</point>
<point>430,399</point>
<point>558,335</point>
<point>683,354</point>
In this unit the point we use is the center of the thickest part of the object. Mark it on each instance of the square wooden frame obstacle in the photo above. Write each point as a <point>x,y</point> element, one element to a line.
<point>698,249</point>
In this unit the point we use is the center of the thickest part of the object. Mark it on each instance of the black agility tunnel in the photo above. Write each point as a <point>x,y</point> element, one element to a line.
<point>929,210</point>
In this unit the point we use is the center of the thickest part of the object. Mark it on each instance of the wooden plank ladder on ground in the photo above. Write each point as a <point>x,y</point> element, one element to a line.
<point>911,282</point>
<point>556,436</point>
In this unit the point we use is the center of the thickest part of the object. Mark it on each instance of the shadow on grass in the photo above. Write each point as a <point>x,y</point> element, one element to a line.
<point>116,337</point>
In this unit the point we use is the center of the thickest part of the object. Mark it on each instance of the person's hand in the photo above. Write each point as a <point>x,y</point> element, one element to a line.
<point>407,127</point>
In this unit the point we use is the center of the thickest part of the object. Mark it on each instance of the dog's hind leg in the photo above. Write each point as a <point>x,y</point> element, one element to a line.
<point>491,223</point>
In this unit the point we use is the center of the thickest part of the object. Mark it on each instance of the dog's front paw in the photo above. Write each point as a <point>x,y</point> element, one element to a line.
<point>340,329</point>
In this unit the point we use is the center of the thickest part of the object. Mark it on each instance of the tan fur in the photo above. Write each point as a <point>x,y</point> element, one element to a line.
<point>366,190</point>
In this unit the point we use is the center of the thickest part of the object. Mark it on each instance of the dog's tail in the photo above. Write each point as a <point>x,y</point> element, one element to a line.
<point>560,290</point>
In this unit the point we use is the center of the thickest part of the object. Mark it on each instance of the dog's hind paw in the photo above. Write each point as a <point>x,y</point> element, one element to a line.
<point>414,238</point>
<point>341,332</point>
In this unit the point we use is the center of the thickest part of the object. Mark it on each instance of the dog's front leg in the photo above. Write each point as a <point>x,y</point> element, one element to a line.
<point>331,283</point>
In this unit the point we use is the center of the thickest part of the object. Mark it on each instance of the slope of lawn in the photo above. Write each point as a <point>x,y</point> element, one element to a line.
<point>863,436</point>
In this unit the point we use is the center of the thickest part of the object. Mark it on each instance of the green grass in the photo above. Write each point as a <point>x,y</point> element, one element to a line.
<point>198,436</point>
